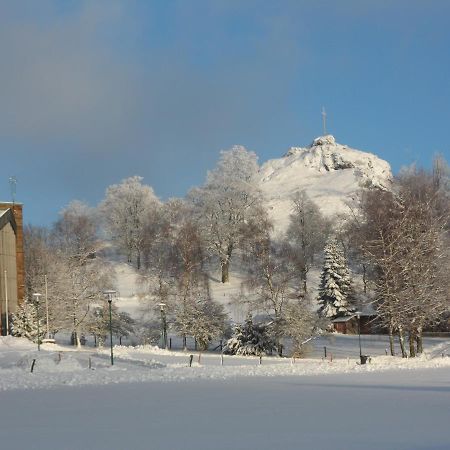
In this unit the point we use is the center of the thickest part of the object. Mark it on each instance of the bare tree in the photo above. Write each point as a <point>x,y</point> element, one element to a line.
<point>83,277</point>
<point>226,202</point>
<point>405,241</point>
<point>126,209</point>
<point>308,231</point>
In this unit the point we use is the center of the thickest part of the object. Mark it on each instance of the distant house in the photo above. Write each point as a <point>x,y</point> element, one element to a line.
<point>349,324</point>
<point>12,269</point>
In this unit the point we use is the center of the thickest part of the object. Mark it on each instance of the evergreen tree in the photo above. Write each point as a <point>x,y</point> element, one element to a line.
<point>335,283</point>
<point>24,322</point>
<point>250,339</point>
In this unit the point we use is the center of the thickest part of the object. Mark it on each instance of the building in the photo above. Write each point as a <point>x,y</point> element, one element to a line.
<point>12,267</point>
<point>349,324</point>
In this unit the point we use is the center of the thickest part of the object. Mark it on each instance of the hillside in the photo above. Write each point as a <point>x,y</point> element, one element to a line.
<point>329,172</point>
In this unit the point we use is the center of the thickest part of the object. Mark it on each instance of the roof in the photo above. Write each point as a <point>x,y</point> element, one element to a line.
<point>343,319</point>
<point>7,216</point>
<point>367,313</point>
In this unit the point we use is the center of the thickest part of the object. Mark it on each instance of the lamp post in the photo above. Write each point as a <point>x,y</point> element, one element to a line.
<point>110,294</point>
<point>37,297</point>
<point>6,303</point>
<point>46,306</point>
<point>163,325</point>
<point>362,360</point>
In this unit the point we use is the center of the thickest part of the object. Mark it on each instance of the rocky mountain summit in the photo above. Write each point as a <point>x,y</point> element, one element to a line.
<point>329,172</point>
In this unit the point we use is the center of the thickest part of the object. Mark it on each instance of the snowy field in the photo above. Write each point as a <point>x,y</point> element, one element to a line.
<point>152,399</point>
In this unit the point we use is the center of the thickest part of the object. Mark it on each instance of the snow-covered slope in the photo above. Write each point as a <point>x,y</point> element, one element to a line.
<point>329,172</point>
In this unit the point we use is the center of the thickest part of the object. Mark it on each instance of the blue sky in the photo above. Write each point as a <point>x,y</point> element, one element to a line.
<point>92,92</point>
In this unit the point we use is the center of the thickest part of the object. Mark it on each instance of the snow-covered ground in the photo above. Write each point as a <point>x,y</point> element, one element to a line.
<point>151,399</point>
<point>64,366</point>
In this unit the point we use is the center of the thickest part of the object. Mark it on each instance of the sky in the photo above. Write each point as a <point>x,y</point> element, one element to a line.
<point>92,92</point>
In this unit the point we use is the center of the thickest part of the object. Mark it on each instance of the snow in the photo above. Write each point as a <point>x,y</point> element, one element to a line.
<point>329,172</point>
<point>62,366</point>
<point>150,398</point>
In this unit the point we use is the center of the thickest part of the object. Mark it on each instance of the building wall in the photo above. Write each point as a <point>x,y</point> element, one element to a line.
<point>8,274</point>
<point>20,257</point>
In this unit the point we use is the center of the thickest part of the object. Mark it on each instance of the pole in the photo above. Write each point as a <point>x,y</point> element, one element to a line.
<point>165,329</point>
<point>324,121</point>
<point>6,303</point>
<point>46,306</point>
<point>110,328</point>
<point>162,327</point>
<point>359,335</point>
<point>37,296</point>
<point>110,294</point>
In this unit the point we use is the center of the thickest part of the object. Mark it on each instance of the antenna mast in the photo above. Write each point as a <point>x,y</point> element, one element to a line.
<point>12,185</point>
<point>324,121</point>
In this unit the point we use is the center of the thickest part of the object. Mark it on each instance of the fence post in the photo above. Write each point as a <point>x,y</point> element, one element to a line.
<point>221,359</point>
<point>170,343</point>
<point>90,363</point>
<point>32,365</point>
<point>191,357</point>
<point>260,359</point>
<point>199,357</point>
<point>325,351</point>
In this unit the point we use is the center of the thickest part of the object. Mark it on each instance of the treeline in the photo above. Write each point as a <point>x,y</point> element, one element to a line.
<point>176,244</point>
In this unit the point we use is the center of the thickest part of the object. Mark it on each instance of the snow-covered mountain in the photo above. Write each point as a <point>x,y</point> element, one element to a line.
<point>329,172</point>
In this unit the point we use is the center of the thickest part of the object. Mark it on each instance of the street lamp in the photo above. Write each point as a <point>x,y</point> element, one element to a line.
<point>110,294</point>
<point>163,325</point>
<point>361,358</point>
<point>37,297</point>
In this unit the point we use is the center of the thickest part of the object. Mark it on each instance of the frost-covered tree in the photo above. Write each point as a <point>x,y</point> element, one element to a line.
<point>302,324</point>
<point>126,210</point>
<point>83,277</point>
<point>308,230</point>
<point>335,283</point>
<point>250,338</point>
<point>226,202</point>
<point>175,274</point>
<point>24,322</point>
<point>407,243</point>
<point>201,318</point>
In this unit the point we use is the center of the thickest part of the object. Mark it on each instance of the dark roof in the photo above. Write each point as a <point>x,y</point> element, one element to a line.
<point>343,319</point>
<point>7,216</point>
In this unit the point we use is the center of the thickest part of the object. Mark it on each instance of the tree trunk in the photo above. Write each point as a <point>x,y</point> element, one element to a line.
<point>77,339</point>
<point>225,271</point>
<point>391,340</point>
<point>365,281</point>
<point>138,260</point>
<point>401,340</point>
<point>419,341</point>
<point>225,263</point>
<point>412,348</point>
<point>304,281</point>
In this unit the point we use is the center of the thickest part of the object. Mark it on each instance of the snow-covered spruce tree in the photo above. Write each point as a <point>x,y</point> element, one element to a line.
<point>250,338</point>
<point>24,322</point>
<point>335,283</point>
